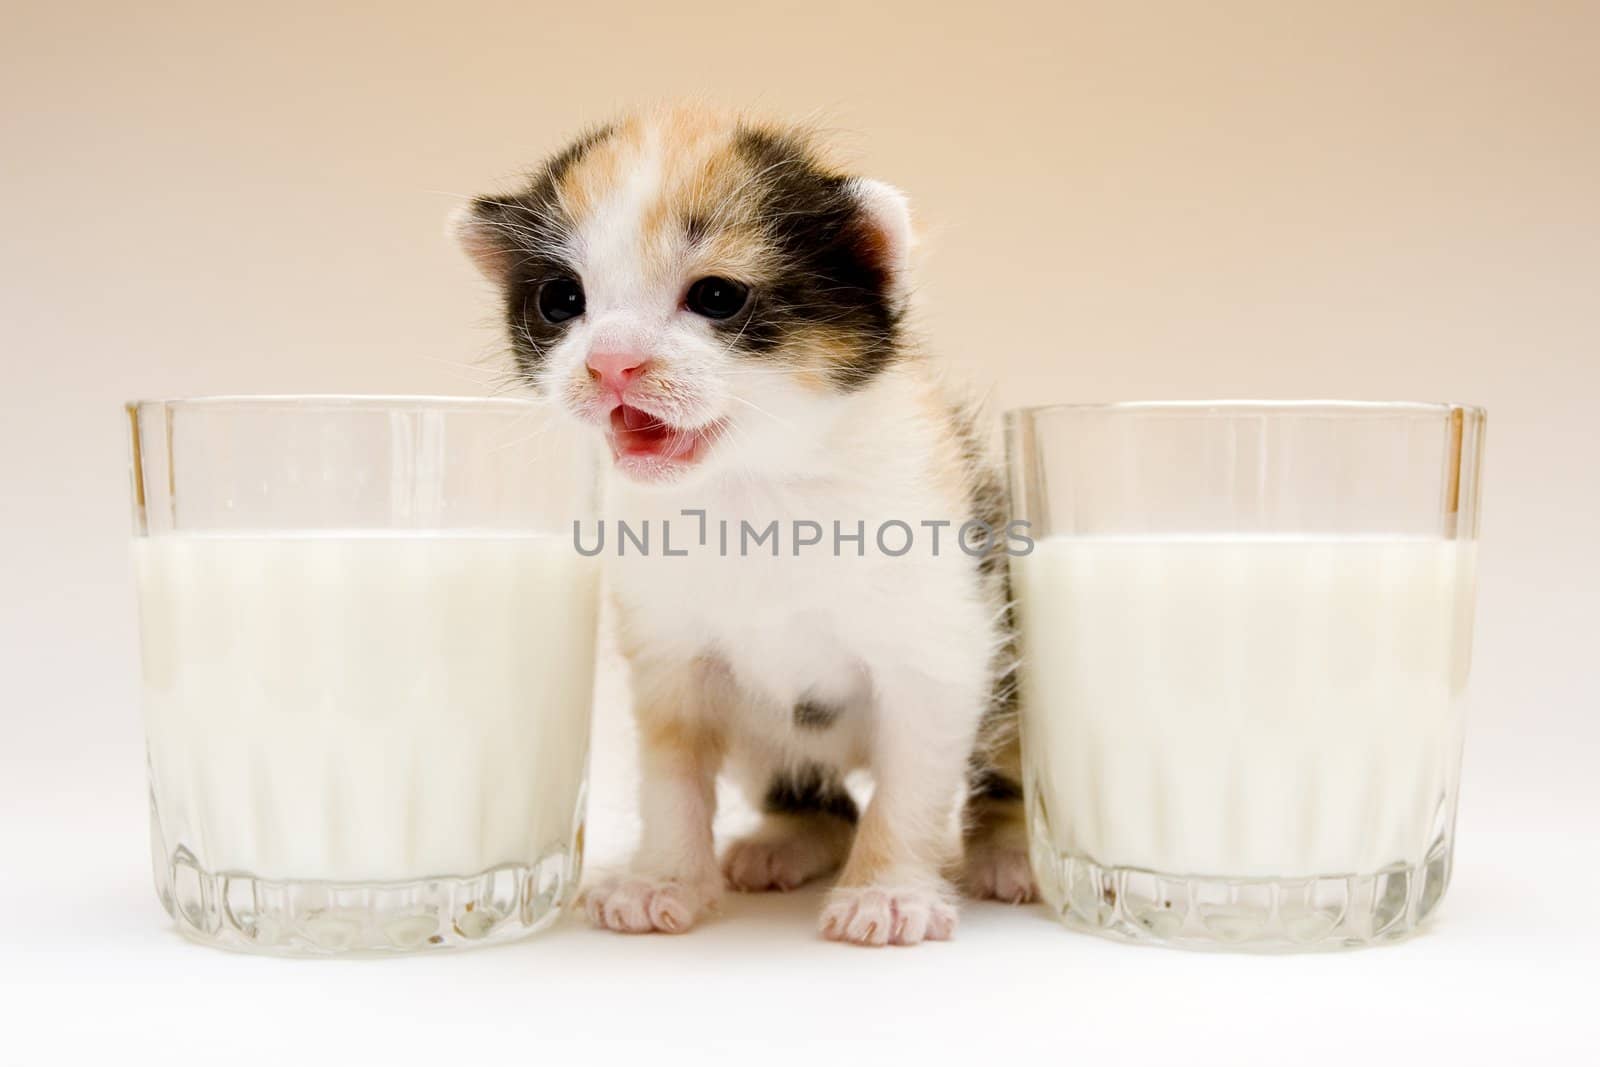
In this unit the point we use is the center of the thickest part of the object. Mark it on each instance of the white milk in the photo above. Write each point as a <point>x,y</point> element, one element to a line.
<point>366,707</point>
<point>1244,707</point>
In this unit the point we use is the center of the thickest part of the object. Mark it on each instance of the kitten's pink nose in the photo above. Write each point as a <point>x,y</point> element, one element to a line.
<point>615,368</point>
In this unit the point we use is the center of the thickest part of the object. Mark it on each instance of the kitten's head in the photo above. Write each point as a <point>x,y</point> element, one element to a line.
<point>701,287</point>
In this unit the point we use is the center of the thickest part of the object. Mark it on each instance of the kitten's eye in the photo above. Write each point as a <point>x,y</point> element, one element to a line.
<point>560,299</point>
<point>716,298</point>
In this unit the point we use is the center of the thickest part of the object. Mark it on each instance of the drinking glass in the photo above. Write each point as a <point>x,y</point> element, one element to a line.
<point>367,660</point>
<point>1245,631</point>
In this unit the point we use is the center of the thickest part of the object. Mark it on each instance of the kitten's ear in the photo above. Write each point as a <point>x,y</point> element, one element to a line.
<point>481,229</point>
<point>889,237</point>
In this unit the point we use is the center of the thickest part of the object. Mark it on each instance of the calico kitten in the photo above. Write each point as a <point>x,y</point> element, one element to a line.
<point>728,309</point>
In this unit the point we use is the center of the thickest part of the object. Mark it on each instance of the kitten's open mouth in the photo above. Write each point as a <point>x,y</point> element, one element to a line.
<point>643,443</point>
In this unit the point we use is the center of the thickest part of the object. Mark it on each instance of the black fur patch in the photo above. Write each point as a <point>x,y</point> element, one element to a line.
<point>989,784</point>
<point>811,715</point>
<point>830,272</point>
<point>530,224</point>
<point>809,791</point>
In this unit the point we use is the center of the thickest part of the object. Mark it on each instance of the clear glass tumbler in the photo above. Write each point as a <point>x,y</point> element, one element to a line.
<point>367,657</point>
<point>1245,628</point>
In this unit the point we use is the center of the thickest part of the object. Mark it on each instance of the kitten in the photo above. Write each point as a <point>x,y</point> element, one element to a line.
<point>729,310</point>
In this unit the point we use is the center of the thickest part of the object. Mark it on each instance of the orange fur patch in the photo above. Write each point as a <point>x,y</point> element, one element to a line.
<point>701,179</point>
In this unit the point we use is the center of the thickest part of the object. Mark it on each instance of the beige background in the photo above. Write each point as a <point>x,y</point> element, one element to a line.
<point>1365,200</point>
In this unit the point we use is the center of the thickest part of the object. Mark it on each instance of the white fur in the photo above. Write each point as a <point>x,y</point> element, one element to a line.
<point>903,643</point>
<point>843,630</point>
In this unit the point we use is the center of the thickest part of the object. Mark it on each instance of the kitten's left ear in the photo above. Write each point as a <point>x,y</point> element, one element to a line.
<point>889,238</point>
<point>480,228</point>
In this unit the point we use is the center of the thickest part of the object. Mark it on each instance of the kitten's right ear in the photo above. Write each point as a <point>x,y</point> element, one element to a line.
<point>481,229</point>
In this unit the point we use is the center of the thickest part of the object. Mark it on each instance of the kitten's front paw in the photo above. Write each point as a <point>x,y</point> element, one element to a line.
<point>999,872</point>
<point>874,915</point>
<point>633,904</point>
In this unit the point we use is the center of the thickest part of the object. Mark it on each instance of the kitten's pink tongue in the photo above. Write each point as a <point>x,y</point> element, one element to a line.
<point>640,433</point>
<point>634,419</point>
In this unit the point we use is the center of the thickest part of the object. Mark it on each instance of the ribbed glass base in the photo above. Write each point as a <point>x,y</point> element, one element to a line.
<point>307,918</point>
<point>1251,914</point>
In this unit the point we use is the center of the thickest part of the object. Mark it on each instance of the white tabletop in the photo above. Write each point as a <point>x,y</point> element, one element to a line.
<point>92,966</point>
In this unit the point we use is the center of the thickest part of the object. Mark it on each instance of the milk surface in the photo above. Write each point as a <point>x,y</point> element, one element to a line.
<point>1244,707</point>
<point>366,707</point>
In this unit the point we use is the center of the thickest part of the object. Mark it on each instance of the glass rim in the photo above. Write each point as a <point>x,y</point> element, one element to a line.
<point>1243,407</point>
<point>340,402</point>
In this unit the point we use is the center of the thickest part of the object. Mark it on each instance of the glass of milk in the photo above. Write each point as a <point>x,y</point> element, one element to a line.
<point>1245,631</point>
<point>368,653</point>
